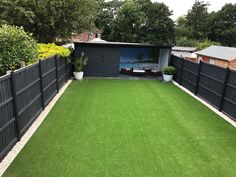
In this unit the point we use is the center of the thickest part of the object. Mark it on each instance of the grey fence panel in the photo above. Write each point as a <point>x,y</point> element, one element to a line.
<point>62,71</point>
<point>28,96</point>
<point>189,75</point>
<point>25,93</point>
<point>49,79</point>
<point>177,62</point>
<point>229,104</point>
<point>211,83</point>
<point>8,134</point>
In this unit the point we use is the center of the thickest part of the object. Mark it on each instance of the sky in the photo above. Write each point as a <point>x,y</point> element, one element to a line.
<point>181,7</point>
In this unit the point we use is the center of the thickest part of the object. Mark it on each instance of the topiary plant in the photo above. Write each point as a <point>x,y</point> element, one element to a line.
<point>80,62</point>
<point>16,47</point>
<point>169,70</point>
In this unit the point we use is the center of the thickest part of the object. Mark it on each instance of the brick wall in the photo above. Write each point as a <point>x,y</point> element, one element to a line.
<point>232,64</point>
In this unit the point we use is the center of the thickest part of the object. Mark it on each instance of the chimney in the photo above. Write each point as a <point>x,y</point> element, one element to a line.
<point>98,35</point>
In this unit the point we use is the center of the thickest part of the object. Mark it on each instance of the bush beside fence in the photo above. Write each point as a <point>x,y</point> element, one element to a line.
<point>25,93</point>
<point>214,84</point>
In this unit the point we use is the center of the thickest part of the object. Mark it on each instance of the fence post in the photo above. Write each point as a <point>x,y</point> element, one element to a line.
<point>66,70</point>
<point>15,108</point>
<point>41,83</point>
<point>224,89</point>
<point>198,77</point>
<point>57,77</point>
<point>181,71</point>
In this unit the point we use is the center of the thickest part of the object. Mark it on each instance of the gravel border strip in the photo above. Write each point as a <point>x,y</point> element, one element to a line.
<point>19,145</point>
<point>225,117</point>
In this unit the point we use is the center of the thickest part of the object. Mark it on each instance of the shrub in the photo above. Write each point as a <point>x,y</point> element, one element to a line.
<point>206,43</point>
<point>169,70</point>
<point>47,50</point>
<point>80,62</point>
<point>16,46</point>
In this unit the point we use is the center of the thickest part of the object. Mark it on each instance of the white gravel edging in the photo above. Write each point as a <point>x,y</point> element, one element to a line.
<point>25,138</point>
<point>225,117</point>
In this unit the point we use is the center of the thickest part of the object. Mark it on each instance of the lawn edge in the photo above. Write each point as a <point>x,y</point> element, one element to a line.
<point>19,145</point>
<point>222,115</point>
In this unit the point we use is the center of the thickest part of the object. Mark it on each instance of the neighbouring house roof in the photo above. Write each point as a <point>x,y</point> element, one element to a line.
<point>184,49</point>
<point>219,52</point>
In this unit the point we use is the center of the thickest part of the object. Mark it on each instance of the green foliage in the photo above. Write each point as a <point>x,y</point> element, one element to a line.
<point>80,62</point>
<point>169,70</point>
<point>181,28</point>
<point>206,43</point>
<point>186,42</point>
<point>137,21</point>
<point>48,19</point>
<point>16,46</point>
<point>197,20</point>
<point>48,50</point>
<point>222,25</point>
<point>107,14</point>
<point>200,25</point>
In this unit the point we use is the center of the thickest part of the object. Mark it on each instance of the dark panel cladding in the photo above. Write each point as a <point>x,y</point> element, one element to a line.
<point>103,61</point>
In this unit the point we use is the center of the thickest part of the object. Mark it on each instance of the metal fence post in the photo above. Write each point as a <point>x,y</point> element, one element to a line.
<point>181,71</point>
<point>41,83</point>
<point>15,107</point>
<point>57,77</point>
<point>224,89</point>
<point>198,77</point>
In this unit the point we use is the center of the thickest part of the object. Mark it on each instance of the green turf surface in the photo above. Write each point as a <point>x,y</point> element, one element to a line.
<point>128,128</point>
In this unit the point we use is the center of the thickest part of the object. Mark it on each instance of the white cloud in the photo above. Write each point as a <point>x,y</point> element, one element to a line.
<point>181,7</point>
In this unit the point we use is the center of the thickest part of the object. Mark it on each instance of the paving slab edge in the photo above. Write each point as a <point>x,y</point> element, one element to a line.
<point>222,115</point>
<point>8,159</point>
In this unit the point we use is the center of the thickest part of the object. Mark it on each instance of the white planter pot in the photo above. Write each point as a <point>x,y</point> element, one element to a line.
<point>167,78</point>
<point>78,75</point>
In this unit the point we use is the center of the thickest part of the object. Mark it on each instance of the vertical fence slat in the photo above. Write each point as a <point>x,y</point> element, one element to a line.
<point>41,83</point>
<point>15,107</point>
<point>57,75</point>
<point>181,71</point>
<point>198,77</point>
<point>224,89</point>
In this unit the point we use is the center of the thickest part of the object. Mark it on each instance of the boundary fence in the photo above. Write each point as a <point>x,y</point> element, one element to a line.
<point>25,93</point>
<point>216,85</point>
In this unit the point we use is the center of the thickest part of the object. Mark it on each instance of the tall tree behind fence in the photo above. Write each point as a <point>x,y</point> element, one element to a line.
<point>214,84</point>
<point>25,93</point>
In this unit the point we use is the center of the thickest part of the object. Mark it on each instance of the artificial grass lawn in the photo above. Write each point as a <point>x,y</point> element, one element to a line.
<point>123,128</point>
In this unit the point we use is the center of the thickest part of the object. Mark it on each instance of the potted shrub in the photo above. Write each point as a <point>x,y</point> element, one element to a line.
<point>79,63</point>
<point>168,73</point>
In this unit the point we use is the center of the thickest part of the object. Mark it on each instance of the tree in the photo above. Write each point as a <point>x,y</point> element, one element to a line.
<point>142,21</point>
<point>181,28</point>
<point>107,13</point>
<point>222,25</point>
<point>127,24</point>
<point>158,27</point>
<point>197,20</point>
<point>48,19</point>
